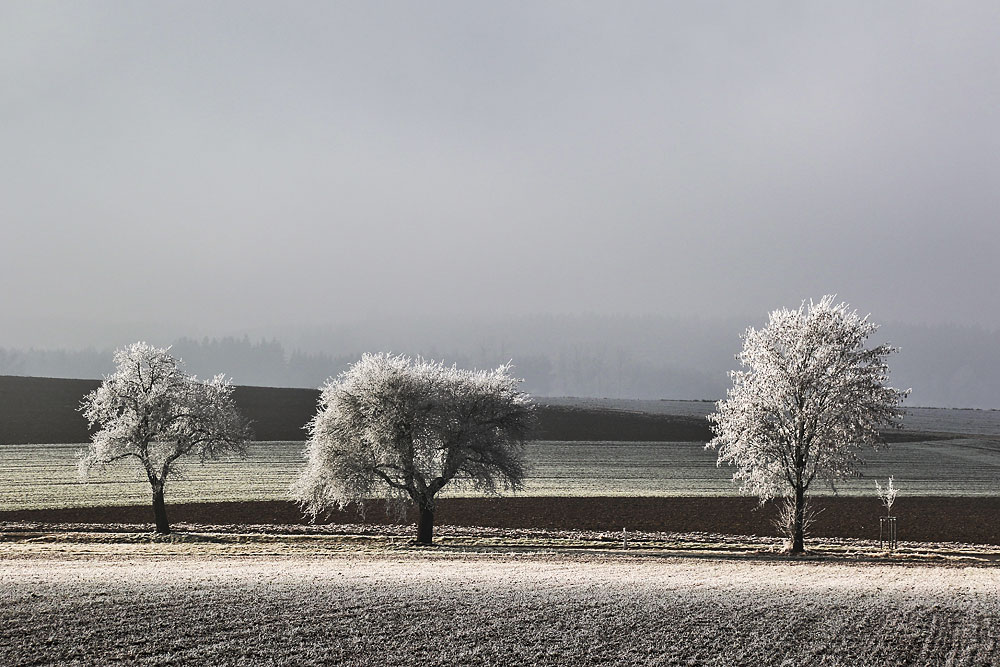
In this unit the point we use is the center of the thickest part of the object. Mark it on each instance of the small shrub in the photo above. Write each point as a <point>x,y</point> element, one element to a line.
<point>784,522</point>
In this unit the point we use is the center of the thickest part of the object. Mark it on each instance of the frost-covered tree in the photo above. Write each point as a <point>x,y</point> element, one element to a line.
<point>887,495</point>
<point>150,410</point>
<point>810,398</point>
<point>402,429</point>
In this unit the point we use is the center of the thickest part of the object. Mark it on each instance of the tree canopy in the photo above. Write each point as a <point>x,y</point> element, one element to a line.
<point>402,429</point>
<point>810,398</point>
<point>150,410</point>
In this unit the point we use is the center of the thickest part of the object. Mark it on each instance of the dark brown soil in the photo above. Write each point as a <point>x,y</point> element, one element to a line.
<point>40,410</point>
<point>921,519</point>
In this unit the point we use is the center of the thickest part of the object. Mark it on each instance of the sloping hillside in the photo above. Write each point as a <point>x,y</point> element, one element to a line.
<point>41,410</point>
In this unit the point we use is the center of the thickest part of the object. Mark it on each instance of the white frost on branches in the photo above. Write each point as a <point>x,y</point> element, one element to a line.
<point>809,398</point>
<point>887,495</point>
<point>148,409</point>
<point>401,429</point>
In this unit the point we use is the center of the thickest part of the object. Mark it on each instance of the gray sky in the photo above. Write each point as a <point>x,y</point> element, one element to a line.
<point>213,168</point>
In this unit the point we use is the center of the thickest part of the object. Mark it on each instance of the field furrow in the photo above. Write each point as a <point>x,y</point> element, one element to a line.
<point>489,609</point>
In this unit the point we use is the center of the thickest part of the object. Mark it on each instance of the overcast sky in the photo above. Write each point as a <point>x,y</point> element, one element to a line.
<point>211,168</point>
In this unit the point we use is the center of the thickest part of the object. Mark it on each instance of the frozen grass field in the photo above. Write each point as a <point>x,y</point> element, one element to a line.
<point>575,463</point>
<point>177,604</point>
<point>45,476</point>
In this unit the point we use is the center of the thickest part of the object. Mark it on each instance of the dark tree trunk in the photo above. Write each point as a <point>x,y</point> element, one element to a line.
<point>798,528</point>
<point>425,527</point>
<point>160,510</point>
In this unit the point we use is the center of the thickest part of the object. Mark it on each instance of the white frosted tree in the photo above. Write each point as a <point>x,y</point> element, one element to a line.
<point>150,410</point>
<point>402,429</point>
<point>887,495</point>
<point>810,397</point>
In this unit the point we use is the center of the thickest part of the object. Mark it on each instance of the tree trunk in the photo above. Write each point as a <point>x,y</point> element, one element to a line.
<point>425,528</point>
<point>160,510</point>
<point>798,529</point>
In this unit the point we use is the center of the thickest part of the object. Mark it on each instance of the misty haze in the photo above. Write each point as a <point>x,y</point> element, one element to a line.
<point>556,355</point>
<point>460,333</point>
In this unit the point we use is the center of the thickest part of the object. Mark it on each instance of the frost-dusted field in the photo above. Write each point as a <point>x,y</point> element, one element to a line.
<point>45,476</point>
<point>500,609</point>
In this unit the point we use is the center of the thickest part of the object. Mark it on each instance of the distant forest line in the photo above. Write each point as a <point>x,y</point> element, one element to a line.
<point>586,356</point>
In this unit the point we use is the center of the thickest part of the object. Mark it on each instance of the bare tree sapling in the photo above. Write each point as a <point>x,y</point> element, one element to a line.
<point>887,495</point>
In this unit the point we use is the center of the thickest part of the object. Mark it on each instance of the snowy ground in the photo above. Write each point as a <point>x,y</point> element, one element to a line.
<point>231,604</point>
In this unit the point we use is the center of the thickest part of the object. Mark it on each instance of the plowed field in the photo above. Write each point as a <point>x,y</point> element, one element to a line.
<point>89,607</point>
